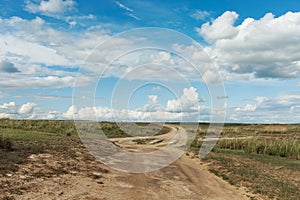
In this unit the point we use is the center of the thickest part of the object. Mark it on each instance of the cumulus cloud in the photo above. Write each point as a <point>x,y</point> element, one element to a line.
<point>70,112</point>
<point>220,28</point>
<point>187,102</point>
<point>30,46</point>
<point>283,108</point>
<point>13,110</point>
<point>29,43</point>
<point>26,108</point>
<point>203,66</point>
<point>8,67</point>
<point>104,113</point>
<point>185,108</point>
<point>267,47</point>
<point>152,104</point>
<point>7,105</point>
<point>211,76</point>
<point>50,7</point>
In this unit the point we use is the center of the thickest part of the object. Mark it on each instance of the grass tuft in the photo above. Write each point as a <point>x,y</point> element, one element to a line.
<point>6,143</point>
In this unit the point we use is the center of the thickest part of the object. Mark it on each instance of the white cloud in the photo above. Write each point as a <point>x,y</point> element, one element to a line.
<point>104,113</point>
<point>27,111</point>
<point>211,77</point>
<point>246,108</point>
<point>123,6</point>
<point>38,82</point>
<point>204,68</point>
<point>283,108</point>
<point>261,99</point>
<point>152,104</point>
<point>200,15</point>
<point>50,7</point>
<point>295,109</point>
<point>31,111</point>
<point>186,103</point>
<point>51,115</point>
<point>31,52</point>
<point>30,45</point>
<point>8,105</point>
<point>185,108</point>
<point>133,16</point>
<point>267,47</point>
<point>5,115</point>
<point>69,113</point>
<point>129,11</point>
<point>12,110</point>
<point>79,20</point>
<point>26,108</point>
<point>220,28</point>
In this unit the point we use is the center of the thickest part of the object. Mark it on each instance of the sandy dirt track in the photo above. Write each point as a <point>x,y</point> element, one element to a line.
<point>186,178</point>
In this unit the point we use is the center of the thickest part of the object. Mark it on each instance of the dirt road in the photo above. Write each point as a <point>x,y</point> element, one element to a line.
<point>186,178</point>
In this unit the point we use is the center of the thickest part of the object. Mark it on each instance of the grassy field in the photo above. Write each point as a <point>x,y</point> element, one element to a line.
<point>21,138</point>
<point>263,158</point>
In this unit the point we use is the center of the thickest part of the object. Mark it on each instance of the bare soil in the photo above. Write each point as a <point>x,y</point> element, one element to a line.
<point>77,175</point>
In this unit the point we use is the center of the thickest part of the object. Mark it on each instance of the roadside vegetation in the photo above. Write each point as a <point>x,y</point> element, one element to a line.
<point>289,147</point>
<point>263,158</point>
<point>21,138</point>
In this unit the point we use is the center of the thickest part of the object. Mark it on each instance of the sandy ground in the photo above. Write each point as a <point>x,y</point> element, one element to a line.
<point>85,178</point>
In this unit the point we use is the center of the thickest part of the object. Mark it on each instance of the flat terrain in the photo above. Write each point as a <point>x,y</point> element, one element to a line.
<point>46,160</point>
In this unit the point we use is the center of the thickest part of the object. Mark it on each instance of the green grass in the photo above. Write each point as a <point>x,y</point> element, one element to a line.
<point>21,138</point>
<point>23,143</point>
<point>288,163</point>
<point>6,143</point>
<point>273,177</point>
<point>275,147</point>
<point>267,164</point>
<point>47,126</point>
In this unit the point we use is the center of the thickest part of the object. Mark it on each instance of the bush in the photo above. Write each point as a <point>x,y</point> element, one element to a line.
<point>6,143</point>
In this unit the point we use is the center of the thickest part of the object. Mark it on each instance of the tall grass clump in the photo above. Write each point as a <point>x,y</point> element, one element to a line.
<point>6,143</point>
<point>283,148</point>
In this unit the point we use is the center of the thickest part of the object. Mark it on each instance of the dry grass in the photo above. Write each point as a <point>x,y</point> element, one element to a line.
<point>274,147</point>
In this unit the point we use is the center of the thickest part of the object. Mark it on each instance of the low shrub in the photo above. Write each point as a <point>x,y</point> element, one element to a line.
<point>6,143</point>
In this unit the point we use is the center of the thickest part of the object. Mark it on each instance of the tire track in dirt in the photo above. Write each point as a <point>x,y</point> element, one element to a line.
<point>186,178</point>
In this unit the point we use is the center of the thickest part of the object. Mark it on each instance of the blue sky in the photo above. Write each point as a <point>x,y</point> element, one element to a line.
<point>49,47</point>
